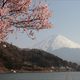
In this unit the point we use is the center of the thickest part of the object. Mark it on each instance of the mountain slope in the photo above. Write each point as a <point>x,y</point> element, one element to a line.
<point>9,55</point>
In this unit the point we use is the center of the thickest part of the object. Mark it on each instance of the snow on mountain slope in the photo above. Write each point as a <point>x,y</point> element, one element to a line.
<point>55,42</point>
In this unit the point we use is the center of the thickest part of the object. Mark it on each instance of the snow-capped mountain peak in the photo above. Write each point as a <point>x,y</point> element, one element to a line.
<point>61,41</point>
<point>55,42</point>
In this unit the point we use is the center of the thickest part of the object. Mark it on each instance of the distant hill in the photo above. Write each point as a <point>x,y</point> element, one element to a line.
<point>14,58</point>
<point>69,54</point>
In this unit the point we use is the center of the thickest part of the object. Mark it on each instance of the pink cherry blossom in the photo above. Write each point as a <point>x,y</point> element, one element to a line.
<point>21,15</point>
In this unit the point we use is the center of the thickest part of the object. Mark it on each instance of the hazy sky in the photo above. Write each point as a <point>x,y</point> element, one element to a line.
<point>66,20</point>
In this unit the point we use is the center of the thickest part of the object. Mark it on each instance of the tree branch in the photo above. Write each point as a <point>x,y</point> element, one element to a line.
<point>27,21</point>
<point>4,2</point>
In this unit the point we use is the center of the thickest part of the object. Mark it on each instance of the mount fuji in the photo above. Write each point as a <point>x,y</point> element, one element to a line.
<point>61,47</point>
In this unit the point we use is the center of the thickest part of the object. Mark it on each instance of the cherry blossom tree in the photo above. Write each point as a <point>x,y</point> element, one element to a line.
<point>20,14</point>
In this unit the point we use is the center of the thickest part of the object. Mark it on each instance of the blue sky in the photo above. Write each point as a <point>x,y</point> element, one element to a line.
<point>65,19</point>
